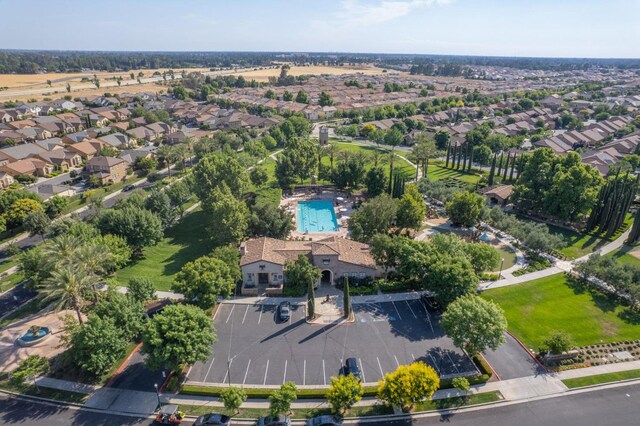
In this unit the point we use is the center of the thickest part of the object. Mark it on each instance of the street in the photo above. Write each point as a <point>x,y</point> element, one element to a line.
<point>616,406</point>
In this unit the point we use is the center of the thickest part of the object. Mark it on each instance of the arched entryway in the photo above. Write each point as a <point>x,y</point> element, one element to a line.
<point>326,278</point>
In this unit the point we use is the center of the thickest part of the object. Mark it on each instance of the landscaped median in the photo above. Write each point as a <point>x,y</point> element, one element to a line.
<point>580,382</point>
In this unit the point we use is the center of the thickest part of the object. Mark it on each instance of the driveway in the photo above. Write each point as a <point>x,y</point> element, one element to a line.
<point>511,361</point>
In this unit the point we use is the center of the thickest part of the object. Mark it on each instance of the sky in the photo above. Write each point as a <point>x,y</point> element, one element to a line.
<point>550,28</point>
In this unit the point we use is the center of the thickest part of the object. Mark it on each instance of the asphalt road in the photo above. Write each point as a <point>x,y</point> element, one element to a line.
<point>612,407</point>
<point>14,298</point>
<point>511,361</point>
<point>254,348</point>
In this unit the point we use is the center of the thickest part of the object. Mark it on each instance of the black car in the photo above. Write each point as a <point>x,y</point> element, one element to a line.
<point>284,311</point>
<point>324,421</point>
<point>351,367</point>
<point>274,421</point>
<point>213,420</point>
<point>431,303</point>
<point>128,188</point>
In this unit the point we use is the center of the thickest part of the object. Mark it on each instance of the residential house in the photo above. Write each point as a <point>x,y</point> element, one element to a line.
<point>5,179</point>
<point>28,166</point>
<point>107,169</point>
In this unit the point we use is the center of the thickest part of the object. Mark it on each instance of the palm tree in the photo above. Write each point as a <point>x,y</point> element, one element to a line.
<point>67,287</point>
<point>424,148</point>
<point>64,248</point>
<point>189,144</point>
<point>332,150</point>
<point>165,152</point>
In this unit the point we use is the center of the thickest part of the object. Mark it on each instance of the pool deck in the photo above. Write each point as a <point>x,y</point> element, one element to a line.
<point>291,205</point>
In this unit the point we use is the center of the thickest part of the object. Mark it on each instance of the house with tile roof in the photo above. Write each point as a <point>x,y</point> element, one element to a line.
<point>263,261</point>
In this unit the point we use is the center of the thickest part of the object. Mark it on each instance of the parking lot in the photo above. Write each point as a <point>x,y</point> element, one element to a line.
<point>253,348</point>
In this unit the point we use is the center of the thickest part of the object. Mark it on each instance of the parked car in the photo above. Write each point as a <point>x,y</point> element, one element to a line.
<point>284,311</point>
<point>128,188</point>
<point>324,421</point>
<point>351,367</point>
<point>431,303</point>
<point>274,421</point>
<point>213,420</point>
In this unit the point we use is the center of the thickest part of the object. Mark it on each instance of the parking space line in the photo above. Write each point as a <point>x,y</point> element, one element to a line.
<point>454,364</point>
<point>304,372</point>
<point>409,305</point>
<point>397,363</point>
<point>426,311</point>
<point>324,373</point>
<point>245,314</point>
<point>414,358</point>
<point>397,311</point>
<point>230,313</point>
<point>364,378</point>
<point>284,376</point>
<point>264,382</point>
<point>246,372</point>
<point>435,364</point>
<point>380,367</point>
<point>260,317</point>
<point>208,370</point>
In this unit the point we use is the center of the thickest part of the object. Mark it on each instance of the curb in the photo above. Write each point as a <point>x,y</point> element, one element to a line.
<point>123,365</point>
<point>528,351</point>
<point>597,385</point>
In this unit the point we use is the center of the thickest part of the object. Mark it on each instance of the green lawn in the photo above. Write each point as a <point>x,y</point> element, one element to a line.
<point>436,172</point>
<point>623,255</point>
<point>508,255</point>
<point>185,242</point>
<point>579,382</point>
<point>536,308</point>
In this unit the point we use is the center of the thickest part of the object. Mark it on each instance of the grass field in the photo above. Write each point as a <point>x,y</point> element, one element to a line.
<point>509,257</point>
<point>262,75</point>
<point>536,308</point>
<point>627,255</point>
<point>580,244</point>
<point>185,242</point>
<point>579,382</point>
<point>436,172</point>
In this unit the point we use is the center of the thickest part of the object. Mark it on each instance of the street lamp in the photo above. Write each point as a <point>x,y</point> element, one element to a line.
<point>155,385</point>
<point>501,265</point>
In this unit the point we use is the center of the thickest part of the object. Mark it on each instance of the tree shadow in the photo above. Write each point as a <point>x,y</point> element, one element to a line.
<point>320,331</point>
<point>603,301</point>
<point>19,410</point>
<point>630,316</point>
<point>283,330</point>
<point>88,418</point>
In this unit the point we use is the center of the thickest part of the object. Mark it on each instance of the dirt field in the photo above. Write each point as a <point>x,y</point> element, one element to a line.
<point>264,74</point>
<point>37,80</point>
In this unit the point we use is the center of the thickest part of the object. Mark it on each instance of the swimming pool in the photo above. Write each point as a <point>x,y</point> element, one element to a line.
<point>316,216</point>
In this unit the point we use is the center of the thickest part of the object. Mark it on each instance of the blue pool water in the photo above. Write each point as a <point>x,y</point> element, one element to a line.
<point>316,216</point>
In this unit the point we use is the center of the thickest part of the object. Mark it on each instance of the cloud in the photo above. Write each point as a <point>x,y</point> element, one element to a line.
<point>357,12</point>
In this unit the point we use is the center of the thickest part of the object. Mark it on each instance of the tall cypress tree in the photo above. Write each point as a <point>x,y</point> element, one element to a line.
<point>446,163</point>
<point>311,301</point>
<point>347,298</point>
<point>500,164</point>
<point>513,166</point>
<point>506,168</point>
<point>634,235</point>
<point>492,171</point>
<point>459,158</point>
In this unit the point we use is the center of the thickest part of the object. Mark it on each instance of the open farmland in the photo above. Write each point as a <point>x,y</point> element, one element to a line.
<point>262,75</point>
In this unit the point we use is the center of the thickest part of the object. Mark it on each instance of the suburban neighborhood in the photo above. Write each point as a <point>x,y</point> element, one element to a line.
<point>196,228</point>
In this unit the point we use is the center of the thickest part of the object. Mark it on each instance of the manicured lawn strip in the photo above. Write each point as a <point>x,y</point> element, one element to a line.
<point>557,302</point>
<point>622,256</point>
<point>29,308</point>
<point>8,262</point>
<point>363,411</point>
<point>42,392</point>
<point>184,242</point>
<point>320,393</point>
<point>11,281</point>
<point>579,382</point>
<point>436,172</point>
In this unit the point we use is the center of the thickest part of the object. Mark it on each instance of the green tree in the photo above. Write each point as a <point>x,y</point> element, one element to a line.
<point>231,257</point>
<point>287,96</point>
<point>374,217</point>
<point>408,385</point>
<point>376,181</point>
<point>215,169</point>
<point>281,399</point>
<point>346,298</point>
<point>393,137</point>
<point>141,289</point>
<point>179,193</point>
<point>127,313</point>
<point>325,99</point>
<point>20,209</point>
<point>475,324</point>
<point>138,226</point>
<point>269,220</point>
<point>411,208</point>
<point>232,398</point>
<point>258,176</point>
<point>98,345</point>
<point>483,257</point>
<point>159,203</point>
<point>55,205</point>
<point>461,384</point>
<point>302,97</point>
<point>228,216</point>
<point>37,223</point>
<point>180,334</point>
<point>30,368</point>
<point>557,342</point>
<point>465,208</point>
<point>67,286</point>
<point>301,272</point>
<point>344,392</point>
<point>311,300</point>
<point>450,278</point>
<point>204,280</point>
<point>424,148</point>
